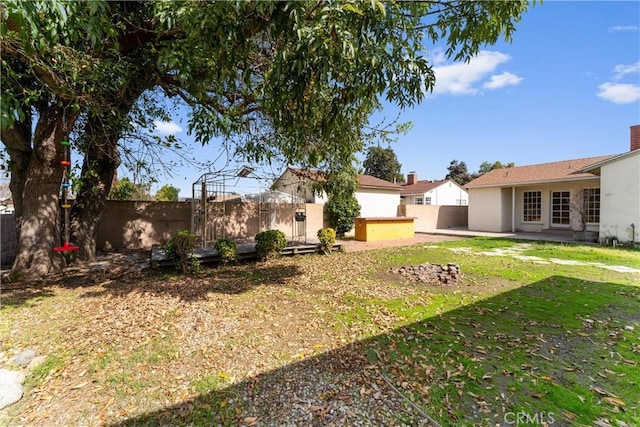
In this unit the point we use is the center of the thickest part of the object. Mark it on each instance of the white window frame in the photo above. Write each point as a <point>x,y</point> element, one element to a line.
<point>534,203</point>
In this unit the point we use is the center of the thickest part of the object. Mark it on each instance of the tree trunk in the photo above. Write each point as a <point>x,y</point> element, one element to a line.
<point>39,224</point>
<point>99,139</point>
<point>98,170</point>
<point>17,140</point>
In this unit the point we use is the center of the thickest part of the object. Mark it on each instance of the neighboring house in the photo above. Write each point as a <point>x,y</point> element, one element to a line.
<point>377,197</point>
<point>599,194</point>
<point>443,192</point>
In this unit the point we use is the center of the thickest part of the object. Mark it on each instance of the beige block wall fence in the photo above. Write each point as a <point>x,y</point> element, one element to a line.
<point>432,217</point>
<point>140,225</point>
<point>8,239</point>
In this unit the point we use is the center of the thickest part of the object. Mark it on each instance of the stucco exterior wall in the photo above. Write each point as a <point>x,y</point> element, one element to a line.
<point>291,183</point>
<point>620,199</point>
<point>486,211</point>
<point>448,194</point>
<point>507,206</point>
<point>378,203</point>
<point>574,187</point>
<point>490,209</point>
<point>428,218</point>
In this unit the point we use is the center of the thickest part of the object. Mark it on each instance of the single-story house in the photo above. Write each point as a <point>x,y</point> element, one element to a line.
<point>597,194</point>
<point>377,197</point>
<point>442,192</point>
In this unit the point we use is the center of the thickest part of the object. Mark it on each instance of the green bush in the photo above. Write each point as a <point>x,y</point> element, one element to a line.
<point>342,211</point>
<point>227,250</point>
<point>327,237</point>
<point>179,249</point>
<point>270,243</point>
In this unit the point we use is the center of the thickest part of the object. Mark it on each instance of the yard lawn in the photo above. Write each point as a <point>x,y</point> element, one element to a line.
<point>316,339</point>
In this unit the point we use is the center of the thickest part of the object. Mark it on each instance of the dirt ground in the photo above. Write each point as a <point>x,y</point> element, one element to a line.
<point>141,340</point>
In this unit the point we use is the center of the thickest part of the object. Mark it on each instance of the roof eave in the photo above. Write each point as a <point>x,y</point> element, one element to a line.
<point>598,165</point>
<point>375,187</point>
<point>525,183</point>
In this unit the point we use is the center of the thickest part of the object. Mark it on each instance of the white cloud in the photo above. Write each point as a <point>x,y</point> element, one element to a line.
<point>633,28</point>
<point>619,93</point>
<point>501,80</point>
<point>622,70</point>
<point>463,78</point>
<point>167,128</point>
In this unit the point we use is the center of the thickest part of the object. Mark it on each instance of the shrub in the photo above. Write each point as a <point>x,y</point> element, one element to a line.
<point>270,243</point>
<point>327,237</point>
<point>342,212</point>
<point>179,249</point>
<point>227,249</point>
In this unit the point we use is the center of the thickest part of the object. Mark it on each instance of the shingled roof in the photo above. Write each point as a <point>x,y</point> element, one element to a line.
<point>566,170</point>
<point>421,187</point>
<point>366,181</point>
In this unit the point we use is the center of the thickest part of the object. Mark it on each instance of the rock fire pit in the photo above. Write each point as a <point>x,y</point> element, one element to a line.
<point>430,273</point>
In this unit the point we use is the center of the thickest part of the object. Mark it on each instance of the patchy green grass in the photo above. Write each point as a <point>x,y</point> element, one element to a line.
<point>515,339</point>
<point>542,340</point>
<point>629,257</point>
<point>52,364</point>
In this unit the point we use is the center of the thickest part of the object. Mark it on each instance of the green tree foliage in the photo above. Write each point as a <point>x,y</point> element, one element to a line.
<point>124,189</point>
<point>383,163</point>
<point>167,193</point>
<point>458,172</point>
<point>291,80</point>
<point>342,207</point>
<point>488,167</point>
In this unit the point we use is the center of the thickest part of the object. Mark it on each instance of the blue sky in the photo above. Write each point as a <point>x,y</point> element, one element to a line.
<point>567,86</point>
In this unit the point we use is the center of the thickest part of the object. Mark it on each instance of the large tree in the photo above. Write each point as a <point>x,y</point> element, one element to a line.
<point>458,172</point>
<point>296,80</point>
<point>383,163</point>
<point>488,167</point>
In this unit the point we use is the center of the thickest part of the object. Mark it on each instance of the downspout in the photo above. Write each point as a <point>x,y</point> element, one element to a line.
<point>513,209</point>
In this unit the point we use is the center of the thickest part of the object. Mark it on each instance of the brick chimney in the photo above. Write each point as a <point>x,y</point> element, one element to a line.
<point>412,177</point>
<point>635,137</point>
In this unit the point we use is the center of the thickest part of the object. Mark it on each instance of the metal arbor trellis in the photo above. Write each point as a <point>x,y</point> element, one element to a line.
<point>209,204</point>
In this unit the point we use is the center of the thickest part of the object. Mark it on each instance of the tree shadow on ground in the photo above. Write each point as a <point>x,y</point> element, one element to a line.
<point>228,280</point>
<point>120,280</point>
<point>550,350</point>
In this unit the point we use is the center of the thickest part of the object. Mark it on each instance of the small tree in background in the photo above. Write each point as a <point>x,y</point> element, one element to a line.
<point>125,189</point>
<point>488,167</point>
<point>383,163</point>
<point>122,190</point>
<point>342,206</point>
<point>167,193</point>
